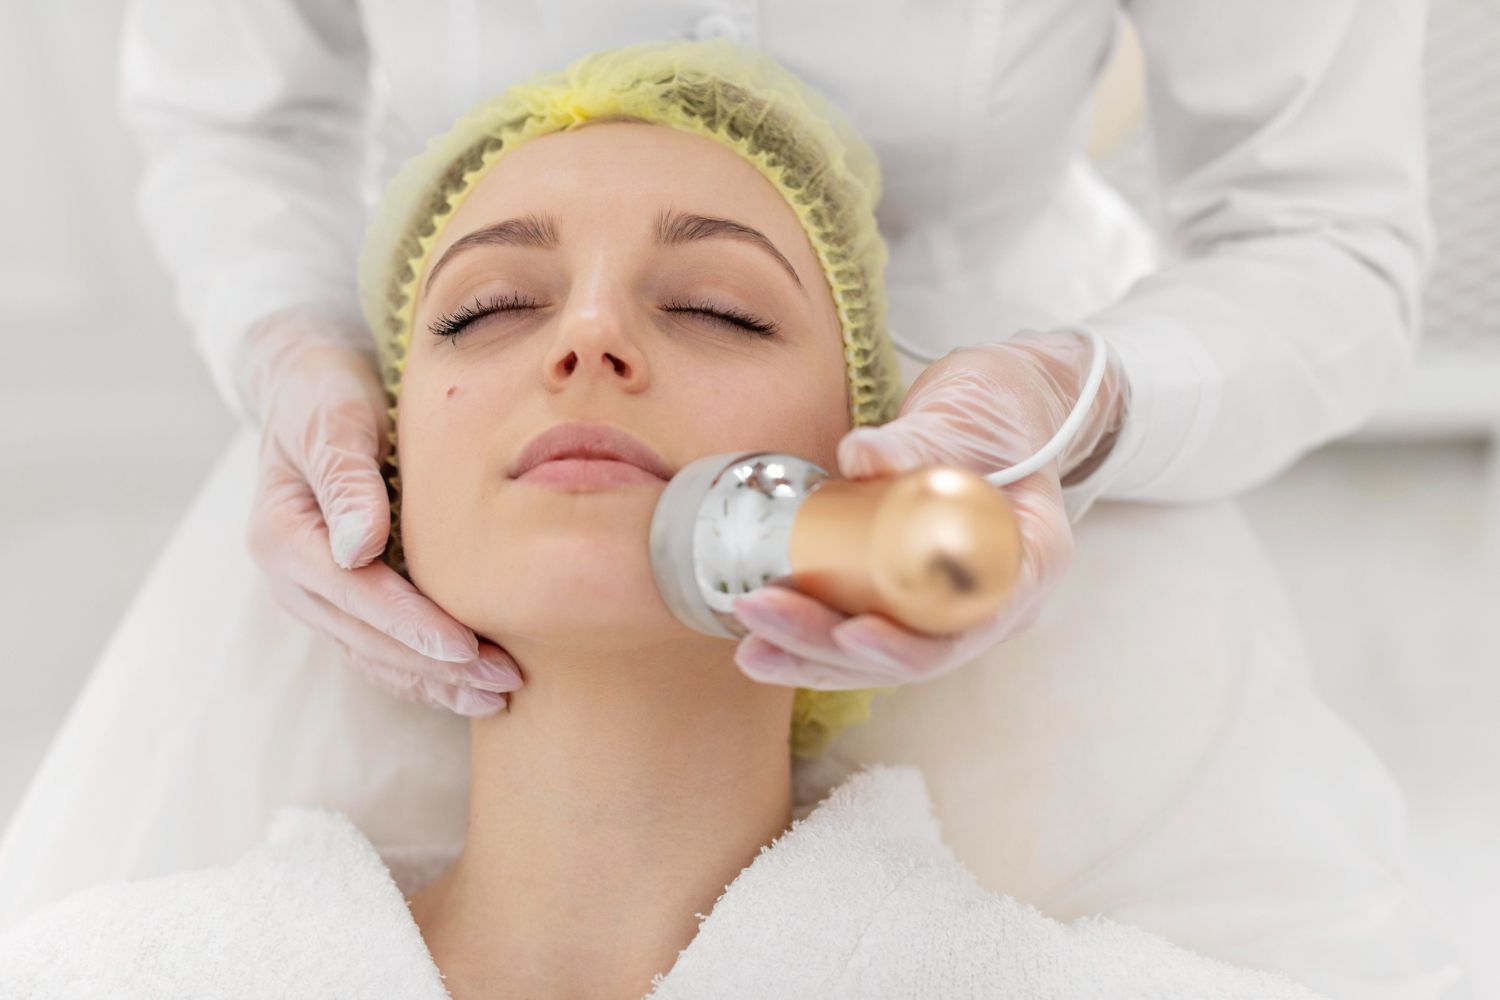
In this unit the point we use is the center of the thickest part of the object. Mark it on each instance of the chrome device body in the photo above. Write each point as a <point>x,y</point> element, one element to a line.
<point>722,528</point>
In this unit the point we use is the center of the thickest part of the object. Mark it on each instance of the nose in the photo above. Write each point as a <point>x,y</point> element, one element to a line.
<point>594,344</point>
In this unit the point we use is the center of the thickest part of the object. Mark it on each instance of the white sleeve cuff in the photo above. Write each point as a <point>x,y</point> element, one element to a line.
<point>1174,392</point>
<point>222,336</point>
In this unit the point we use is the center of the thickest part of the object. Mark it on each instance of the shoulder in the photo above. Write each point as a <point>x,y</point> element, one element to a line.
<point>311,910</point>
<point>940,929</point>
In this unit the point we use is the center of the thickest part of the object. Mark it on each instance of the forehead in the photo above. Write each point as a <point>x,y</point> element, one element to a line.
<point>618,176</point>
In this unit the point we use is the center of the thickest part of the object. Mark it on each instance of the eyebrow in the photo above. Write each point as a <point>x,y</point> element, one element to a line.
<point>672,228</point>
<point>526,231</point>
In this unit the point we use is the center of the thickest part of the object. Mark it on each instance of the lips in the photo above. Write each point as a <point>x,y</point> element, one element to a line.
<point>589,441</point>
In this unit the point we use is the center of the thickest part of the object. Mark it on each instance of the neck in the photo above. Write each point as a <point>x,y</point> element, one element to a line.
<point>612,802</point>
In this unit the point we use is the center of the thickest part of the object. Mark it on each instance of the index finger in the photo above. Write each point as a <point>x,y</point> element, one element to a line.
<point>385,600</point>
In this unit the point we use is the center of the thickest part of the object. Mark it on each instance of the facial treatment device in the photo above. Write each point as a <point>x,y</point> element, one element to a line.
<point>934,549</point>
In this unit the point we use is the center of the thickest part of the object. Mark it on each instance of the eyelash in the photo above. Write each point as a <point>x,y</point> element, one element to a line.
<point>454,323</point>
<point>727,316</point>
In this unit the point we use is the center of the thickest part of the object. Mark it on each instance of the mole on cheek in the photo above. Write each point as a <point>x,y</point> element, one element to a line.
<point>452,389</point>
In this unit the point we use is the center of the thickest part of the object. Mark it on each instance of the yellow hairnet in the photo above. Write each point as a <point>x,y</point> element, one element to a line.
<point>736,96</point>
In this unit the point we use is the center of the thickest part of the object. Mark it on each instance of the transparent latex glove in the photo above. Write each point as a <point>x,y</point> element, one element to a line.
<point>321,516</point>
<point>981,408</point>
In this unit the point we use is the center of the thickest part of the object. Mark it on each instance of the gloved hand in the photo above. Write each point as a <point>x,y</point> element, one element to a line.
<point>981,408</point>
<point>321,516</point>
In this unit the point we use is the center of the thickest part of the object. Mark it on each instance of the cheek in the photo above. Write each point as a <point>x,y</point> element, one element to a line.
<point>431,433</point>
<point>814,407</point>
<point>799,406</point>
<point>442,468</point>
<point>450,411</point>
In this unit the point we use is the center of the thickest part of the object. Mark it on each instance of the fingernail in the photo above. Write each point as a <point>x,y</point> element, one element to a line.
<point>857,449</point>
<point>765,662</point>
<point>345,537</point>
<point>449,649</point>
<point>477,704</point>
<point>499,672</point>
<point>861,645</point>
<point>752,613</point>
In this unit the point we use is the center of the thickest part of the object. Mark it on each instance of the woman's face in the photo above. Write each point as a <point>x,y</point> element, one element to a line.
<point>600,279</point>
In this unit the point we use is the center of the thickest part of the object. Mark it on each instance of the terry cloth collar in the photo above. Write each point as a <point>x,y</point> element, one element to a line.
<point>794,915</point>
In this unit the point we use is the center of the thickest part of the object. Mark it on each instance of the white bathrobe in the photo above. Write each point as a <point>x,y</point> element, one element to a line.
<point>860,898</point>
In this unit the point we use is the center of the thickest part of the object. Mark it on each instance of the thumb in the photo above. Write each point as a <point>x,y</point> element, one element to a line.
<point>344,473</point>
<point>870,452</point>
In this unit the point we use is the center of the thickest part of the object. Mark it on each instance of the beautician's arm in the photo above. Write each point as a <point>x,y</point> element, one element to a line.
<point>251,114</point>
<point>1288,144</point>
<point>1288,141</point>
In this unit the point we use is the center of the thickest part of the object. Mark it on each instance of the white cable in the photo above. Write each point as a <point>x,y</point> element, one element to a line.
<point>1069,427</point>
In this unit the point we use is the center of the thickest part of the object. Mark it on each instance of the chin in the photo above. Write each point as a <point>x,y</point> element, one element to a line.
<point>588,585</point>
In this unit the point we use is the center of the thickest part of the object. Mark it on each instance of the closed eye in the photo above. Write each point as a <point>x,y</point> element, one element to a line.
<point>729,317</point>
<point>451,324</point>
<point>454,323</point>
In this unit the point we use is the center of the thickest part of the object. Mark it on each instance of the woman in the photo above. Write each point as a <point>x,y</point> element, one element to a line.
<point>581,293</point>
<point>1289,155</point>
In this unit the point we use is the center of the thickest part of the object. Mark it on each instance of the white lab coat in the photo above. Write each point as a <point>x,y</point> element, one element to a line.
<point>1287,138</point>
<point>1151,748</point>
